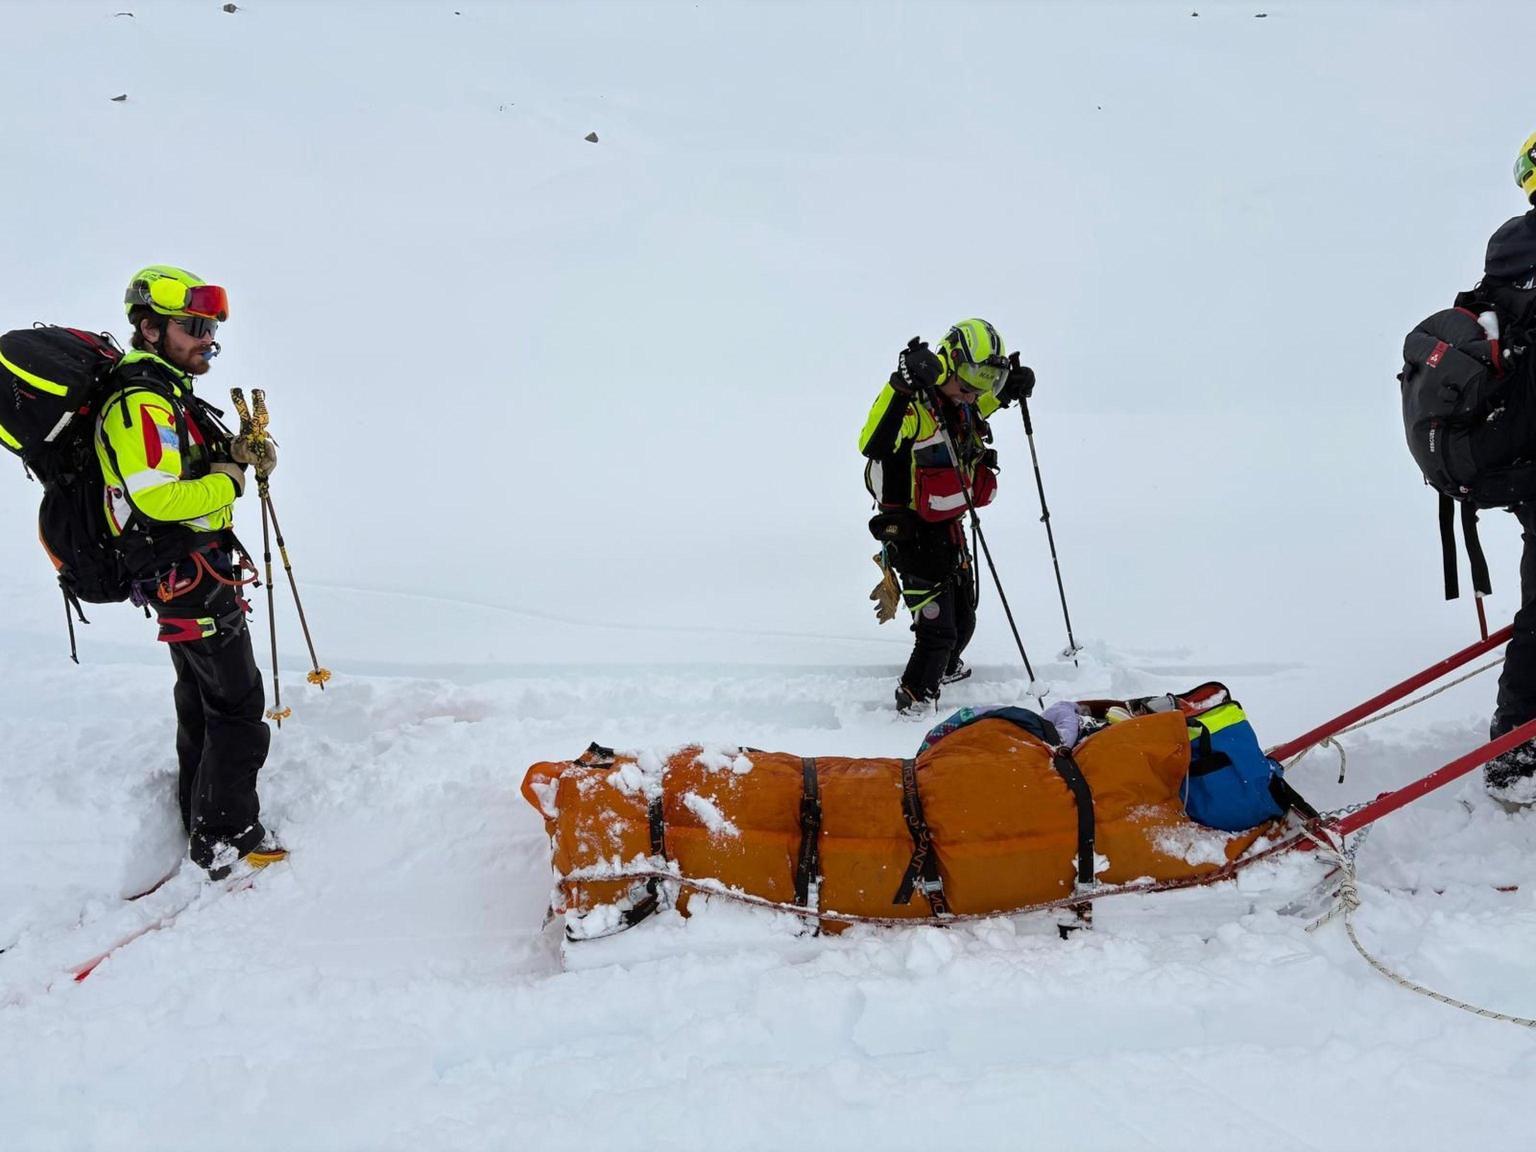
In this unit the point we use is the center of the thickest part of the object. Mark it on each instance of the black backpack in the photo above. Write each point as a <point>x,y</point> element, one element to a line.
<point>1469,410</point>
<point>51,381</point>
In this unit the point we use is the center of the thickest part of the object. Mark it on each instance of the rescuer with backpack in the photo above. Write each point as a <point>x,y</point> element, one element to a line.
<point>171,473</point>
<point>933,403</point>
<point>1469,410</point>
<point>1510,270</point>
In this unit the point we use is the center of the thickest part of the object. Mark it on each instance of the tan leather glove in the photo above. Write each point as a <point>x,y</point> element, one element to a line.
<point>260,454</point>
<point>886,594</point>
<point>234,472</point>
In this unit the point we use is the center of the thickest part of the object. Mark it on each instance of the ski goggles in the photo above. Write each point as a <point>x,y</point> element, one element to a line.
<point>196,326</point>
<point>167,295</point>
<point>988,376</point>
<point>1525,169</point>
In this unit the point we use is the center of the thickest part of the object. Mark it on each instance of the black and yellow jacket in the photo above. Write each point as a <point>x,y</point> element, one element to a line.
<point>901,433</point>
<point>155,443</point>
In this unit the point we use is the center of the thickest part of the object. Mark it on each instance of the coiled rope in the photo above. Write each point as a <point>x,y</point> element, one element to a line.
<point>1347,895</point>
<point>1347,900</point>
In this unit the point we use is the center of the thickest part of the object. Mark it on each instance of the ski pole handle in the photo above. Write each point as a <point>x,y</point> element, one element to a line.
<point>237,397</point>
<point>253,417</point>
<point>261,418</point>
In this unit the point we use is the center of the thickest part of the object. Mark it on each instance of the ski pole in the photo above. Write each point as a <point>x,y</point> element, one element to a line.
<point>1073,648</point>
<point>316,675</point>
<point>277,713</point>
<point>970,506</point>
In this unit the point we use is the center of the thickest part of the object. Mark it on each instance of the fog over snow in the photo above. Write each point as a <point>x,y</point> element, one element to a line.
<point>569,453</point>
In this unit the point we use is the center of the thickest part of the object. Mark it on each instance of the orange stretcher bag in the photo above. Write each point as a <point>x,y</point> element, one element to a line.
<point>989,817</point>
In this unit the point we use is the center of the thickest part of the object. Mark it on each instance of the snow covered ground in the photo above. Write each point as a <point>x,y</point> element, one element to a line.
<point>568,439</point>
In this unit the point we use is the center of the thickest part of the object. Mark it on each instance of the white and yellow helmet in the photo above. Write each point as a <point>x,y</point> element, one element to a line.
<point>974,351</point>
<point>1525,168</point>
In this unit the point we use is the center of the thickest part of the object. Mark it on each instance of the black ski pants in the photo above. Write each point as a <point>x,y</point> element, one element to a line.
<point>1517,683</point>
<point>938,588</point>
<point>221,738</point>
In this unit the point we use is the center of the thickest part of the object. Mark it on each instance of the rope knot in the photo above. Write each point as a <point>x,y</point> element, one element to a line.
<point>1349,892</point>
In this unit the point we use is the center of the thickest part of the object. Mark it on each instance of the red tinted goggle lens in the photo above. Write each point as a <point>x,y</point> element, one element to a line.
<point>208,300</point>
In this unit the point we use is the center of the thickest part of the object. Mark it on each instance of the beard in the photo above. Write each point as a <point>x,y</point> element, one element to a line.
<point>193,362</point>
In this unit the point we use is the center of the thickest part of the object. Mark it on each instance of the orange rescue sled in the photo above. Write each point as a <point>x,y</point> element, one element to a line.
<point>988,819</point>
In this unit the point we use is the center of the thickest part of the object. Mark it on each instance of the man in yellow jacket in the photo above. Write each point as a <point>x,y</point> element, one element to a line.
<point>926,440</point>
<point>171,473</point>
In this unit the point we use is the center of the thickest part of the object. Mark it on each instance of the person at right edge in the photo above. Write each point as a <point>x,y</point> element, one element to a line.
<point>172,472</point>
<point>932,401</point>
<point>1511,778</point>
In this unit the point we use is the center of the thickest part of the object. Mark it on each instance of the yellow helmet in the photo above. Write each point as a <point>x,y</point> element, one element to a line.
<point>170,291</point>
<point>974,351</point>
<point>1525,167</point>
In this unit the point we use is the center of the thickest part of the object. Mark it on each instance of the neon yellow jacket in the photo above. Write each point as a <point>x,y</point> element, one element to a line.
<point>155,458</point>
<point>900,432</point>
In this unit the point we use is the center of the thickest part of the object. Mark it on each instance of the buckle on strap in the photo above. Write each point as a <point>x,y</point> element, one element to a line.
<point>184,630</point>
<point>187,629</point>
<point>922,874</point>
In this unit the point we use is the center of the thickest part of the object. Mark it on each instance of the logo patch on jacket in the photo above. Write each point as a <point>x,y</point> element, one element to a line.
<point>157,438</point>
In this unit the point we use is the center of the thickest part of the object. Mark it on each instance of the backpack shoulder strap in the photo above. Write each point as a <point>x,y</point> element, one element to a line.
<point>138,376</point>
<point>1514,304</point>
<point>209,418</point>
<point>1482,582</point>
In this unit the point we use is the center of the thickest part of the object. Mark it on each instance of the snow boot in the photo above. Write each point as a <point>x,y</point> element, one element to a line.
<point>958,671</point>
<point>1511,778</point>
<point>909,703</point>
<point>266,852</point>
<point>269,851</point>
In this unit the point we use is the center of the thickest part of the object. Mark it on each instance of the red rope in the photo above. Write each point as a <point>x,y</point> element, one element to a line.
<point>170,589</point>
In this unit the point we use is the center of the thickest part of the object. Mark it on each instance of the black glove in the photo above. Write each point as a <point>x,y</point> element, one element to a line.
<point>916,368</point>
<point>1020,384</point>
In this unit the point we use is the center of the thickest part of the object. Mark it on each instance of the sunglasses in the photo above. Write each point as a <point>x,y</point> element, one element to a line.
<point>173,296</point>
<point>196,326</point>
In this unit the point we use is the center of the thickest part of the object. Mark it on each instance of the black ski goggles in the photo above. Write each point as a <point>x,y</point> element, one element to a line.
<point>196,326</point>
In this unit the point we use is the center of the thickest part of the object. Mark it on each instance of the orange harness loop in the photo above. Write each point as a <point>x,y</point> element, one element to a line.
<point>170,588</point>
